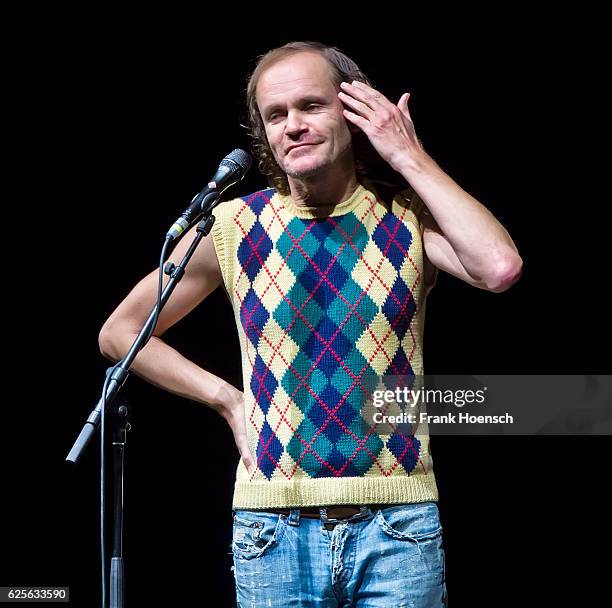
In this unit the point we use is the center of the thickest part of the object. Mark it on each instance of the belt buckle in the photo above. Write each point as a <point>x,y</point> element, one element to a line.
<point>330,522</point>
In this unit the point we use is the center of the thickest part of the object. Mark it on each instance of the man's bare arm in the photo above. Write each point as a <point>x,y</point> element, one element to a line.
<point>158,362</point>
<point>463,237</point>
<point>441,254</point>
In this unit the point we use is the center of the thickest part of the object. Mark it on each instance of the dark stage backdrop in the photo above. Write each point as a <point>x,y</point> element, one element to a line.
<point>124,126</point>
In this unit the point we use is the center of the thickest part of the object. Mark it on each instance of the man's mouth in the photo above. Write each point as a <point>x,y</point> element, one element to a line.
<point>299,146</point>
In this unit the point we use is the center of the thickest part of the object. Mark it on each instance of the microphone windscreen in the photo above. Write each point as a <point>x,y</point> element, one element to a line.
<point>241,158</point>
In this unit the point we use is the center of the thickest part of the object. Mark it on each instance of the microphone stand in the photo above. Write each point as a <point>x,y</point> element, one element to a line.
<point>119,415</point>
<point>119,427</point>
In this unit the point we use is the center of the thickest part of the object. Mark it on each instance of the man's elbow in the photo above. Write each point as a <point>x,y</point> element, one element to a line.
<point>107,342</point>
<point>506,273</point>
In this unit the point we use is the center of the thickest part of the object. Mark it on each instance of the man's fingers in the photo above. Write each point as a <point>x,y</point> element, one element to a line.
<point>402,104</point>
<point>354,104</point>
<point>237,422</point>
<point>363,93</point>
<point>249,464</point>
<point>245,453</point>
<point>243,448</point>
<point>355,119</point>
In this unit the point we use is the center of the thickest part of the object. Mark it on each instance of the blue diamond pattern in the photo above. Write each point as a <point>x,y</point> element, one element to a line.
<point>399,297</point>
<point>397,444</point>
<point>263,384</point>
<point>269,456</point>
<point>383,234</point>
<point>254,250</point>
<point>257,203</point>
<point>253,316</point>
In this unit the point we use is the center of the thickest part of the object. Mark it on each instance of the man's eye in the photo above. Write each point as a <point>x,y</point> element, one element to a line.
<point>312,106</point>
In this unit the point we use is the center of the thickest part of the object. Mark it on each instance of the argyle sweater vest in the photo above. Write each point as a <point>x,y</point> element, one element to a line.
<point>326,304</point>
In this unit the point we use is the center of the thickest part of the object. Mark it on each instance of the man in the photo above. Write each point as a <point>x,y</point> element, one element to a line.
<point>328,281</point>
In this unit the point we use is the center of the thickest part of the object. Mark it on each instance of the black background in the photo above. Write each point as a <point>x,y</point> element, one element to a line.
<point>120,121</point>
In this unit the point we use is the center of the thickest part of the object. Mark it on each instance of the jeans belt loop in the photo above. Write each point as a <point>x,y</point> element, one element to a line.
<point>294,517</point>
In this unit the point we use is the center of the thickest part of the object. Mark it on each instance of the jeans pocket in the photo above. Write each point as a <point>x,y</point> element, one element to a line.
<point>415,521</point>
<point>255,533</point>
<point>417,525</point>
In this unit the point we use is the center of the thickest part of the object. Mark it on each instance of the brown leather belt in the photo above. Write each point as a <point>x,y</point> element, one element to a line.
<point>333,512</point>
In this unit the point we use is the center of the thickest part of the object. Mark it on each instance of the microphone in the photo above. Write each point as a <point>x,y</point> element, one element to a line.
<point>231,170</point>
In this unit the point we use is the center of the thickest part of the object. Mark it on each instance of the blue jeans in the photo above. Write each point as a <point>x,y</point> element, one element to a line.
<point>390,557</point>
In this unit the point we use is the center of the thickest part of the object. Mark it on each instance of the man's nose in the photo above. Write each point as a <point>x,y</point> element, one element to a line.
<point>295,123</point>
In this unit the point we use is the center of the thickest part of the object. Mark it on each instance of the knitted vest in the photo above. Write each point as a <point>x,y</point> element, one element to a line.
<point>325,304</point>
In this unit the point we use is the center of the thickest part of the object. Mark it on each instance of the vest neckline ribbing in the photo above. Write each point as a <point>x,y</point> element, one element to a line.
<point>345,206</point>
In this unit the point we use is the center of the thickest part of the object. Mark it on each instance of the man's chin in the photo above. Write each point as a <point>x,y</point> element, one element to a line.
<point>306,169</point>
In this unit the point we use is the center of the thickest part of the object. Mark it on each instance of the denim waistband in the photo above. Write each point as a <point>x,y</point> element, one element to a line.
<point>330,514</point>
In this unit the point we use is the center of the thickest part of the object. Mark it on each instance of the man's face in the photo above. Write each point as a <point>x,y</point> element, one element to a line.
<point>302,114</point>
